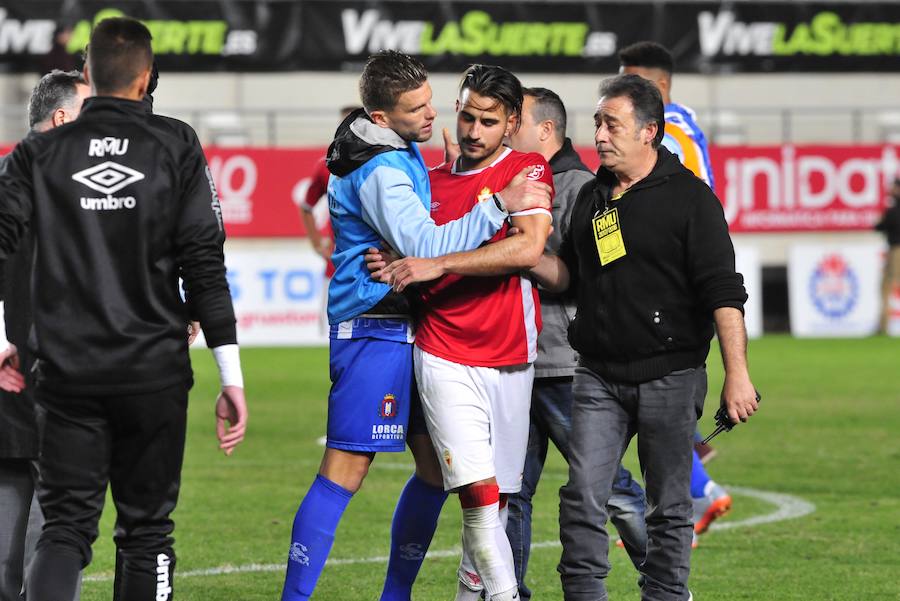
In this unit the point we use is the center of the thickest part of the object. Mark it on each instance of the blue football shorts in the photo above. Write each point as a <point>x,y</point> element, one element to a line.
<point>372,394</point>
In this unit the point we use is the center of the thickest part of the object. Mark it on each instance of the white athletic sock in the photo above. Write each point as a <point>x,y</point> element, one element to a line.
<point>504,510</point>
<point>485,541</point>
<point>510,595</point>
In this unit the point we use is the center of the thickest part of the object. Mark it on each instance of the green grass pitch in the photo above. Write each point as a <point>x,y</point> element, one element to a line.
<point>827,433</point>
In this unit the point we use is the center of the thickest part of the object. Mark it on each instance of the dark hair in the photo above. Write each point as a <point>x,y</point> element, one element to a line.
<point>645,98</point>
<point>154,79</point>
<point>55,90</point>
<point>649,55</point>
<point>548,106</point>
<point>386,76</point>
<point>494,82</point>
<point>118,53</point>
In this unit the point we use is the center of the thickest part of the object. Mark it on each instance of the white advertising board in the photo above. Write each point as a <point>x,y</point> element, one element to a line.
<point>834,290</point>
<point>747,263</point>
<point>278,290</point>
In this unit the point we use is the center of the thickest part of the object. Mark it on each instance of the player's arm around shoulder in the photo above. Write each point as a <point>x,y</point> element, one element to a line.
<point>534,222</point>
<point>514,253</point>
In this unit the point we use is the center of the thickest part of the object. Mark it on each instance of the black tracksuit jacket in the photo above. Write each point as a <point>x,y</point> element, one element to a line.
<point>116,224</point>
<point>649,312</point>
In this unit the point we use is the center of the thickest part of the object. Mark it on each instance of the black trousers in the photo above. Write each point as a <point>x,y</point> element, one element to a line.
<point>134,444</point>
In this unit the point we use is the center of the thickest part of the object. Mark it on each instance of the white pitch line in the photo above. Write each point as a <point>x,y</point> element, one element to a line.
<point>788,507</point>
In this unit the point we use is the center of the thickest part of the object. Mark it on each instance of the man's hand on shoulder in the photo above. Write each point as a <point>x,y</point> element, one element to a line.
<point>523,193</point>
<point>231,418</point>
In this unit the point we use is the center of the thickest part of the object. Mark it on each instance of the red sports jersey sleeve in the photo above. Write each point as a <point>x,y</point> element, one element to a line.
<point>483,321</point>
<point>317,187</point>
<point>316,191</point>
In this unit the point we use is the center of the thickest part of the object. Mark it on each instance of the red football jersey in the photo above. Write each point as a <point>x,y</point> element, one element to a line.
<point>481,321</point>
<point>316,191</point>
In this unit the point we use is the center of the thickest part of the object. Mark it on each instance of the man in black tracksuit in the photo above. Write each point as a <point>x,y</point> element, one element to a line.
<point>650,259</point>
<point>55,100</point>
<point>120,209</point>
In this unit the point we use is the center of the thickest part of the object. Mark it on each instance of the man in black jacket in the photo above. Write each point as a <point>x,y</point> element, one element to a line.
<point>543,130</point>
<point>120,207</point>
<point>55,100</point>
<point>889,225</point>
<point>650,259</point>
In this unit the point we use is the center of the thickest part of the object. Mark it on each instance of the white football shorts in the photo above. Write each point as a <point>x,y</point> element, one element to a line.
<point>478,419</point>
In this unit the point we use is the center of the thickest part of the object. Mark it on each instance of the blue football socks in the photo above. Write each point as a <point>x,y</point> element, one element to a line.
<point>699,478</point>
<point>312,536</point>
<point>415,520</point>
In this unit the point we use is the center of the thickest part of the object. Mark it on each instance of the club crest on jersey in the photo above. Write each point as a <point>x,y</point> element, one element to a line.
<point>485,194</point>
<point>388,406</point>
<point>536,173</point>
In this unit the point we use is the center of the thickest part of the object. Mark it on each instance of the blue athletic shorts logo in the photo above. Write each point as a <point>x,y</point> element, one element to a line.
<point>388,406</point>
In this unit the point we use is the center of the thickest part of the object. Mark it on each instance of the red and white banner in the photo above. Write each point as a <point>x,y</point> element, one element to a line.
<point>762,188</point>
<point>803,188</point>
<point>260,188</point>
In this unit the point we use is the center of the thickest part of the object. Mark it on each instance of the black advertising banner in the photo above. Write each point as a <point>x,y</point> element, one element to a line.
<point>555,36</point>
<point>197,35</point>
<point>585,37</point>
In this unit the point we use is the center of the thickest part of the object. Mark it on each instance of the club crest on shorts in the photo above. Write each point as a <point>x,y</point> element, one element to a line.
<point>388,406</point>
<point>448,458</point>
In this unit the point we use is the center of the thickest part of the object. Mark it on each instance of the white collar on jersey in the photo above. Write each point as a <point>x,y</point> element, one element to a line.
<point>372,134</point>
<point>502,156</point>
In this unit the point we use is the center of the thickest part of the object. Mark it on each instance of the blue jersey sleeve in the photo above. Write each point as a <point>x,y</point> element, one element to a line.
<point>392,208</point>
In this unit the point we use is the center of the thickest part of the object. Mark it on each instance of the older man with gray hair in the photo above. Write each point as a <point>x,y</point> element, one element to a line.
<point>55,100</point>
<point>652,266</point>
<point>543,130</point>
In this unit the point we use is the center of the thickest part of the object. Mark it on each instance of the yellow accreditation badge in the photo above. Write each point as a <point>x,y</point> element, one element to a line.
<point>608,236</point>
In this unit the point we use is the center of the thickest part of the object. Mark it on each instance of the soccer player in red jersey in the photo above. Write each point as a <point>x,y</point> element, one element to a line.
<point>477,336</point>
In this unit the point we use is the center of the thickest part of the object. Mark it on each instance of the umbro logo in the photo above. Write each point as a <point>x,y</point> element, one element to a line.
<point>412,552</point>
<point>163,578</point>
<point>298,553</point>
<point>108,177</point>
